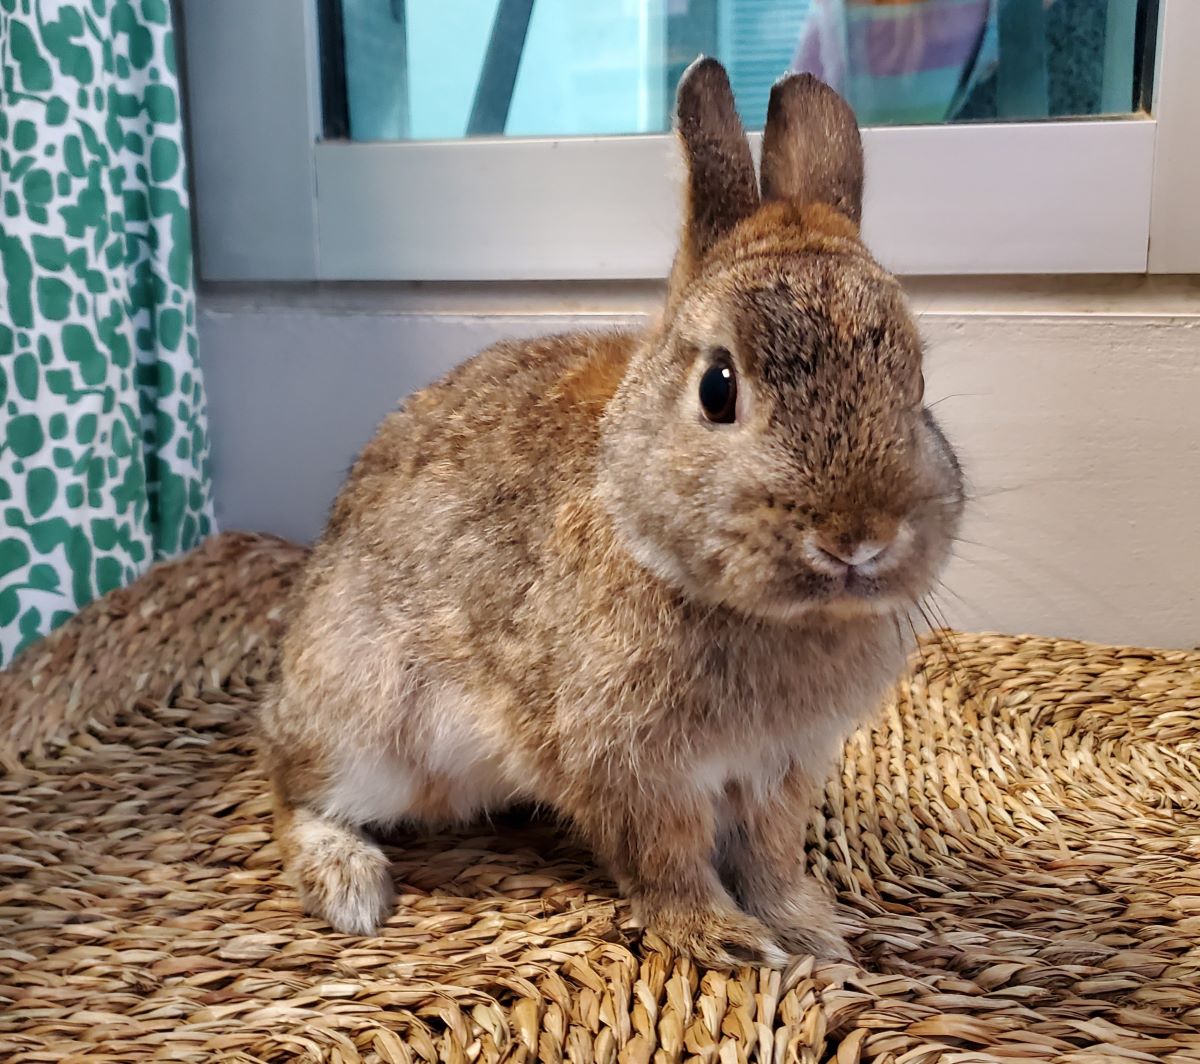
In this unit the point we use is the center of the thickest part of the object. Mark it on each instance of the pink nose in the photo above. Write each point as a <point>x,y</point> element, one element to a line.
<point>851,552</point>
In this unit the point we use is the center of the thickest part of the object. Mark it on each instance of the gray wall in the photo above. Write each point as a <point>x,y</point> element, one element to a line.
<point>1073,406</point>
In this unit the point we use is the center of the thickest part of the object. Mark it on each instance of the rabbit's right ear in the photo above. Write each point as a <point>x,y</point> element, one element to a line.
<point>812,150</point>
<point>721,186</point>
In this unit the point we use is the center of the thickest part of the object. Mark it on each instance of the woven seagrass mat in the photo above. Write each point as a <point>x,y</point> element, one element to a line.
<point>1019,836</point>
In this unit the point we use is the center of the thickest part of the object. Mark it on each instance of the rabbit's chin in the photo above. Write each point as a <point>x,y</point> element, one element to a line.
<point>843,607</point>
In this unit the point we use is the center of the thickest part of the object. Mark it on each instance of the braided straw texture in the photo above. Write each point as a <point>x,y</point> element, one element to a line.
<point>1018,836</point>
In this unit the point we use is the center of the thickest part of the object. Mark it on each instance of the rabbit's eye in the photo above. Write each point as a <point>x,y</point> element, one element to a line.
<point>718,390</point>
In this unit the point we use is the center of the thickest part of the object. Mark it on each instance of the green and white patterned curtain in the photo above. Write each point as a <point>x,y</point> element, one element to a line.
<point>103,438</point>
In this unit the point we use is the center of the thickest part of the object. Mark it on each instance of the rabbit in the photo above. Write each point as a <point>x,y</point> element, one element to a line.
<point>649,580</point>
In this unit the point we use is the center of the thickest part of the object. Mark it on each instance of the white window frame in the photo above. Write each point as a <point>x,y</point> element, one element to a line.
<point>275,202</point>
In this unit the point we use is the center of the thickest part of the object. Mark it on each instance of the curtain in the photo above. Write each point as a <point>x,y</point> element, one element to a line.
<point>103,437</point>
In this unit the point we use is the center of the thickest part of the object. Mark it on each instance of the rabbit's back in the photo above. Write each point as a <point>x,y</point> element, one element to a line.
<point>413,663</point>
<point>424,579</point>
<point>484,451</point>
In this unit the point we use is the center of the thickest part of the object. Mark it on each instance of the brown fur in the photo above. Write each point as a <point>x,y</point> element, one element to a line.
<point>549,578</point>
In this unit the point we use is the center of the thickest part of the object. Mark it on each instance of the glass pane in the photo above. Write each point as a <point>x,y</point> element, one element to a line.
<point>436,69</point>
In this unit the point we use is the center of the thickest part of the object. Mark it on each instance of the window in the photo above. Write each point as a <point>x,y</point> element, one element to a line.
<point>431,70</point>
<point>526,139</point>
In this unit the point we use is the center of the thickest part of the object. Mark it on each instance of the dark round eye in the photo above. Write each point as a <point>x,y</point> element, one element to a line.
<point>718,390</point>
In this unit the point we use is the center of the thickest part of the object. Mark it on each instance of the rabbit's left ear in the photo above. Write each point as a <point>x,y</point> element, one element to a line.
<point>812,151</point>
<point>721,186</point>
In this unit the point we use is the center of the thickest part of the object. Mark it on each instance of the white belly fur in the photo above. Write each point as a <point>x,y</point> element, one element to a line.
<point>446,743</point>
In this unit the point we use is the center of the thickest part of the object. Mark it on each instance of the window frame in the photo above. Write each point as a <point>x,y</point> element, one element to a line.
<point>274,201</point>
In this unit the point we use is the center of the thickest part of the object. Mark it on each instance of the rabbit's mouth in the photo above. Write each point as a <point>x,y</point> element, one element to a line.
<point>856,581</point>
<point>863,576</point>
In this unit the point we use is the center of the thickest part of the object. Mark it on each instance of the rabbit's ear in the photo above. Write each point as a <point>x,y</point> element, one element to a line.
<point>811,150</point>
<point>721,187</point>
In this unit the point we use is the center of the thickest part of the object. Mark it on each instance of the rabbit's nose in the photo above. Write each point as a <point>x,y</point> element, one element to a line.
<point>838,555</point>
<point>849,551</point>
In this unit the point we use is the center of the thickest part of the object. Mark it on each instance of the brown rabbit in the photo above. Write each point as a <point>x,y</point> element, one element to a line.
<point>649,580</point>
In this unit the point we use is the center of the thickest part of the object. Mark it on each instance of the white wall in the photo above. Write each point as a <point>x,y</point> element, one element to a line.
<point>1075,406</point>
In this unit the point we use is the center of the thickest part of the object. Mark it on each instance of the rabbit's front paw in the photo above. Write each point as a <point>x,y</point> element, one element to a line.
<point>342,876</point>
<point>804,922</point>
<point>719,939</point>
